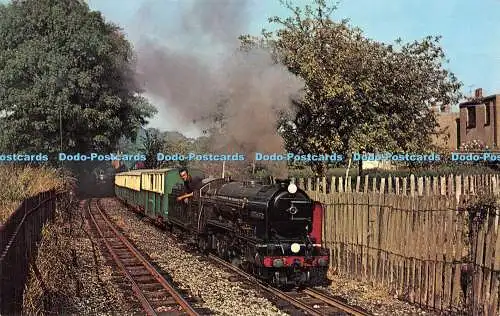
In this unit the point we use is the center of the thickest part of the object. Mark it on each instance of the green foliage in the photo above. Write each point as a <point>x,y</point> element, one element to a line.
<point>359,94</point>
<point>445,170</point>
<point>481,211</point>
<point>59,58</point>
<point>153,143</point>
<point>484,203</point>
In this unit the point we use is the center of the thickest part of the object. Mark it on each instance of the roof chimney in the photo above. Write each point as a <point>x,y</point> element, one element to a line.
<point>478,93</point>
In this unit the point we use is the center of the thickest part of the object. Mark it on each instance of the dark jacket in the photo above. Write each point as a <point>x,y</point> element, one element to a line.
<point>192,184</point>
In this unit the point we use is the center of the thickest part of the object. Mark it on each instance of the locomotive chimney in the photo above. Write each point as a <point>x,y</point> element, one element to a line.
<point>478,93</point>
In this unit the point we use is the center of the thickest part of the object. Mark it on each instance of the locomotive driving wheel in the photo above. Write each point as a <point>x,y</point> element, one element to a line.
<point>203,245</point>
<point>236,262</point>
<point>247,267</point>
<point>221,249</point>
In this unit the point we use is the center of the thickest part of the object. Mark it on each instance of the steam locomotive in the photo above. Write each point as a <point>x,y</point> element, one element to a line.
<point>272,231</point>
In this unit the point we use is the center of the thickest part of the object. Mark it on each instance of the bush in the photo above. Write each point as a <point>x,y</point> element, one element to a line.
<point>21,182</point>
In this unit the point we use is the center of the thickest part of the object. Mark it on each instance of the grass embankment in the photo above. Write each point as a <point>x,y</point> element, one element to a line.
<point>21,182</point>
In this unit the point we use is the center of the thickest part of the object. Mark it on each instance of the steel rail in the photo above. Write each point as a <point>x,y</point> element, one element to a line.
<point>159,278</point>
<point>295,302</point>
<point>264,286</point>
<point>334,302</point>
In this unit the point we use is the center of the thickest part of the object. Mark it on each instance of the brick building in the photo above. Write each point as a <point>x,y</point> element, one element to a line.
<point>449,127</point>
<point>478,119</point>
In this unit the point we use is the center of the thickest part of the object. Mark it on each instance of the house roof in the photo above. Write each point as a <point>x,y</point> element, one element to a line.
<point>477,101</point>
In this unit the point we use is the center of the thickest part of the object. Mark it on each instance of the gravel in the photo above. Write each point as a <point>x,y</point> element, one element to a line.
<point>201,278</point>
<point>99,294</point>
<point>376,300</point>
<point>74,278</point>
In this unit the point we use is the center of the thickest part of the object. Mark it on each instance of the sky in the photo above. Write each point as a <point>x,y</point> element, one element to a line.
<point>470,30</point>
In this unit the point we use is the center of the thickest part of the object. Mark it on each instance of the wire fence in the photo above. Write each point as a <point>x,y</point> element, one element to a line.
<point>19,238</point>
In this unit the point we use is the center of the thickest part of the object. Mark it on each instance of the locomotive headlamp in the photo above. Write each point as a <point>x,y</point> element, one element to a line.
<point>295,247</point>
<point>292,188</point>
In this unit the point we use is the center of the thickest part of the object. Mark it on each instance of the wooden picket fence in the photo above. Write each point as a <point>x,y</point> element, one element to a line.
<point>420,242</point>
<point>399,185</point>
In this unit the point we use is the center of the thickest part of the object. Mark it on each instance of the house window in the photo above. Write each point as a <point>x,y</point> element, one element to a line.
<point>471,117</point>
<point>487,115</point>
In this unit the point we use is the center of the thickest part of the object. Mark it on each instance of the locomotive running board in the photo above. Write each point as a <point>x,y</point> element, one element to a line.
<point>179,223</point>
<point>218,224</point>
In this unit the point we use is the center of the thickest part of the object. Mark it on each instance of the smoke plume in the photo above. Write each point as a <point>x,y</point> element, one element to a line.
<point>196,68</point>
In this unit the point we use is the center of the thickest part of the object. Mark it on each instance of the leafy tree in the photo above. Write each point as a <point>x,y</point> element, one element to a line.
<point>61,61</point>
<point>176,143</point>
<point>359,94</point>
<point>153,143</point>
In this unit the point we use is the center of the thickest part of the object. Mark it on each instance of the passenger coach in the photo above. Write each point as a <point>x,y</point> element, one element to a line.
<point>148,190</point>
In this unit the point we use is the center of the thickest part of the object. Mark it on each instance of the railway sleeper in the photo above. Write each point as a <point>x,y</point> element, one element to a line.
<point>145,279</point>
<point>171,312</point>
<point>125,256</point>
<point>150,287</point>
<point>119,246</point>
<point>137,268</point>
<point>162,294</point>
<point>131,262</point>
<point>139,273</point>
<point>163,301</point>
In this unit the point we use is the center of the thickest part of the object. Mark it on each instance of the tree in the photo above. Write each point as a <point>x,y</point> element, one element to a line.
<point>176,143</point>
<point>153,143</point>
<point>359,94</point>
<point>59,60</point>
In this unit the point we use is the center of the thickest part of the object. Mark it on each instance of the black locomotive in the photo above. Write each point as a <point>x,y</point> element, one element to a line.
<point>272,231</point>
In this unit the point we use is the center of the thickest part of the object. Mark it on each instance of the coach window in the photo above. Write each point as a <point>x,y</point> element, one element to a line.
<point>487,115</point>
<point>471,117</point>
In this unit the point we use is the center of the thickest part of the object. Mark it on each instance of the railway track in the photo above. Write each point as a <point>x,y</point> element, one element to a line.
<point>154,293</point>
<point>310,301</point>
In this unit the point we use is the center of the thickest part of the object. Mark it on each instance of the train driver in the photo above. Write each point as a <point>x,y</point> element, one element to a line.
<point>190,185</point>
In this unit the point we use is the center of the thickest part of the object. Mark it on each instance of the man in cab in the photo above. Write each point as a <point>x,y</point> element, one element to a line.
<point>191,184</point>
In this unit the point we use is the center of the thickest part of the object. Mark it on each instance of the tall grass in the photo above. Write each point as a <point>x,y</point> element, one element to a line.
<point>20,182</point>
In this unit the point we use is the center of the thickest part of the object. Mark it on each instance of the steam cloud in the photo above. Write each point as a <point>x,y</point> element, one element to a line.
<point>204,67</point>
